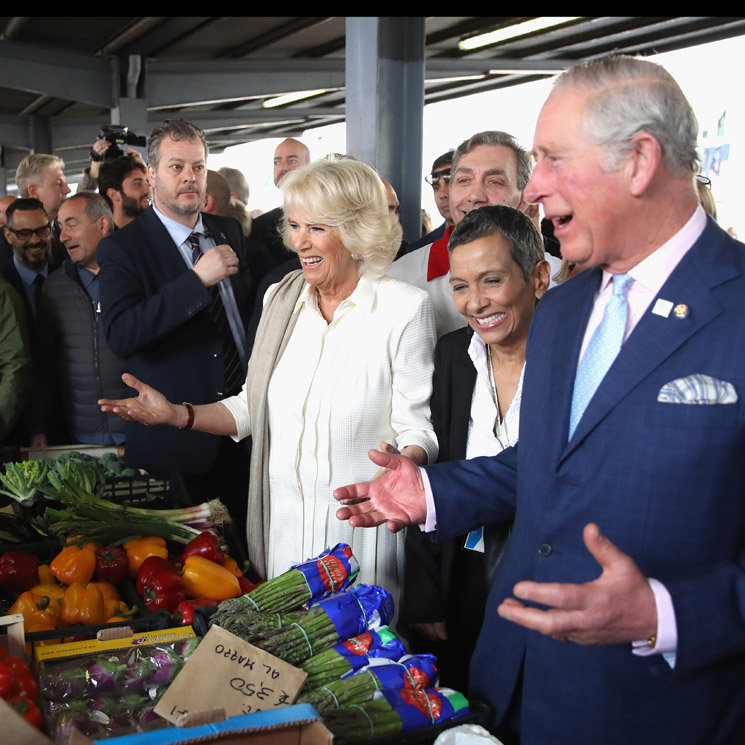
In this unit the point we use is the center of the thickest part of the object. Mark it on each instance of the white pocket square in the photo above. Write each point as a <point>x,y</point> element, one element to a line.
<point>697,389</point>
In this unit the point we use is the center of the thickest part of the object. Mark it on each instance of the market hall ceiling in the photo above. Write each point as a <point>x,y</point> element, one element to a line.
<point>67,73</point>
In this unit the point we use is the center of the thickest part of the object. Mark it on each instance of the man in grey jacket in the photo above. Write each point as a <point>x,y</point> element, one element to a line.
<point>74,362</point>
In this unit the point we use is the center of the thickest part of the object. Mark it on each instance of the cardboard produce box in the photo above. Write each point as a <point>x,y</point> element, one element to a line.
<point>289,725</point>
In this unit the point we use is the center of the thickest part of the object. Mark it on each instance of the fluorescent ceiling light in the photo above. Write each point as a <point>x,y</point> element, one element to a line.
<point>448,79</point>
<point>512,32</point>
<point>270,103</point>
<point>537,70</point>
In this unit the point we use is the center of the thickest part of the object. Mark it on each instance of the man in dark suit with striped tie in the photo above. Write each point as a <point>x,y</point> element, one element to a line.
<point>175,293</point>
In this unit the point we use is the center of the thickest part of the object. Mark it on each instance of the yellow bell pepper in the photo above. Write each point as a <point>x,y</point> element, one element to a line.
<point>82,603</point>
<point>38,611</point>
<point>51,590</point>
<point>139,549</point>
<point>205,579</point>
<point>73,564</point>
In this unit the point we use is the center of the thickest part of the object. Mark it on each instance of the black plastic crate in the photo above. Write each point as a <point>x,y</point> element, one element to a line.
<point>153,490</point>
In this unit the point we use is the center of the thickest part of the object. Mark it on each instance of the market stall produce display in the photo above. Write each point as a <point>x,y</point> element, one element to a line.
<point>110,693</point>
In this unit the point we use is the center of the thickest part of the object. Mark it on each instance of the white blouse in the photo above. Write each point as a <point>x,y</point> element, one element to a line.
<point>340,389</point>
<point>481,437</point>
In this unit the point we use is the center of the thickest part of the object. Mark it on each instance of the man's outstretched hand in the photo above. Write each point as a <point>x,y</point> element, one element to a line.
<point>617,607</point>
<point>396,498</point>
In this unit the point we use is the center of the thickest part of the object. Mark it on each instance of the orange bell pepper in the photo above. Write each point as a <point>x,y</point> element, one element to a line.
<point>139,549</point>
<point>45,576</point>
<point>122,613</point>
<point>110,596</point>
<point>205,579</point>
<point>82,603</point>
<point>39,611</point>
<point>73,564</point>
<point>232,566</point>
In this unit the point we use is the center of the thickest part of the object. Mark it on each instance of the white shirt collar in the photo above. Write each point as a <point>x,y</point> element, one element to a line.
<point>362,296</point>
<point>655,270</point>
<point>178,231</point>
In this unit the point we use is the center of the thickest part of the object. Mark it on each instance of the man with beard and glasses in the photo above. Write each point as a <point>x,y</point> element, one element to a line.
<point>123,184</point>
<point>30,236</point>
<point>176,291</point>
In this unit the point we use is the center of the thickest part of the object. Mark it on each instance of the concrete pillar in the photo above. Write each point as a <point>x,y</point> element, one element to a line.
<point>41,134</point>
<point>385,102</point>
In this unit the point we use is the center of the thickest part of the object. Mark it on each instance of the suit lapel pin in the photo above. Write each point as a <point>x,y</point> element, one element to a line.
<point>662,307</point>
<point>222,237</point>
<point>681,311</point>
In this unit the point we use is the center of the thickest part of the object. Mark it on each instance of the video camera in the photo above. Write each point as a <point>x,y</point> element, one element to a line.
<point>118,135</point>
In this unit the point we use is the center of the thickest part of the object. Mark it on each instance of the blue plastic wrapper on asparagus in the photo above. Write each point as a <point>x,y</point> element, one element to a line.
<point>359,609</point>
<point>351,655</point>
<point>411,671</point>
<point>360,650</point>
<point>331,571</point>
<point>419,708</point>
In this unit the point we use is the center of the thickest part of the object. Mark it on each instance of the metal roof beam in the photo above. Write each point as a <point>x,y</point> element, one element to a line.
<point>182,83</point>
<point>52,72</point>
<point>15,131</point>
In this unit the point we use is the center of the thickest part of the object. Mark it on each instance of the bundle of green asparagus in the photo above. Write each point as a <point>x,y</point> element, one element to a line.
<point>411,671</point>
<point>352,654</point>
<point>331,571</point>
<point>392,712</point>
<point>294,637</point>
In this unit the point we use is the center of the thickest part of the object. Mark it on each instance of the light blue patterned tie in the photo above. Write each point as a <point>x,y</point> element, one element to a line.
<point>604,346</point>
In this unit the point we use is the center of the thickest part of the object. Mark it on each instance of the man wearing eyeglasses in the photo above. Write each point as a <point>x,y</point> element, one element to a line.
<point>30,235</point>
<point>439,180</point>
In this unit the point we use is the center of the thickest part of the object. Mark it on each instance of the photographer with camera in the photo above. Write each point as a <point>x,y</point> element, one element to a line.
<point>108,146</point>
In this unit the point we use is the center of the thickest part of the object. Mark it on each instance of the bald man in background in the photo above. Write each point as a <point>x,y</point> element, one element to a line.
<point>217,198</point>
<point>290,155</point>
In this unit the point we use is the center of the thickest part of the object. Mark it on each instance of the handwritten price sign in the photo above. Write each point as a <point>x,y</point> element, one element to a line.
<point>226,672</point>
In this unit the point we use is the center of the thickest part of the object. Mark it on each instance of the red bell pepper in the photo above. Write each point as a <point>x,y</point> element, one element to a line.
<point>205,545</point>
<point>27,708</point>
<point>185,611</point>
<point>164,589</point>
<point>18,571</point>
<point>112,564</point>
<point>8,683</point>
<point>153,566</point>
<point>26,685</point>
<point>246,585</point>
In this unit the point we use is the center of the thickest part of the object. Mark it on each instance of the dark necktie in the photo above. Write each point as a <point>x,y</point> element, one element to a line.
<point>216,310</point>
<point>38,282</point>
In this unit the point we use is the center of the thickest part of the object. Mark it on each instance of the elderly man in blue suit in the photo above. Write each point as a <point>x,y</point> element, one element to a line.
<point>618,614</point>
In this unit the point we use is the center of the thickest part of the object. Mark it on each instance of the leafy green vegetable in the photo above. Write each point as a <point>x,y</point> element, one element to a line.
<point>23,481</point>
<point>115,468</point>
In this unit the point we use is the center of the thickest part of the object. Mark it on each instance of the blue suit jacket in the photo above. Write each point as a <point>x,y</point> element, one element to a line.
<point>155,317</point>
<point>665,482</point>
